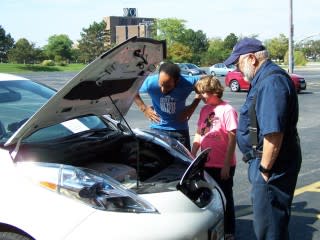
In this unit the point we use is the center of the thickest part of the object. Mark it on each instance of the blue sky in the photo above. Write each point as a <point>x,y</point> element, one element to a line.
<point>36,20</point>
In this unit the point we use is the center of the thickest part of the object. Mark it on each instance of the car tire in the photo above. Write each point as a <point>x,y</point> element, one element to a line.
<point>213,73</point>
<point>13,236</point>
<point>234,86</point>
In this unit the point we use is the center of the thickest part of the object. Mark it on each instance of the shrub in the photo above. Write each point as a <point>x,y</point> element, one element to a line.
<point>63,63</point>
<point>60,61</point>
<point>48,63</point>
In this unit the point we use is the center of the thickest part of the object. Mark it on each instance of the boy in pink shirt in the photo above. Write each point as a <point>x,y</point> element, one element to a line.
<point>217,126</point>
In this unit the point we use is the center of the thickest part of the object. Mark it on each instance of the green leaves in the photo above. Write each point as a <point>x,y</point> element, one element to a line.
<point>22,52</point>
<point>59,47</point>
<point>94,41</point>
<point>6,43</point>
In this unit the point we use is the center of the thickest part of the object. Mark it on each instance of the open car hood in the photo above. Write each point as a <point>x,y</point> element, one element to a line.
<point>106,86</point>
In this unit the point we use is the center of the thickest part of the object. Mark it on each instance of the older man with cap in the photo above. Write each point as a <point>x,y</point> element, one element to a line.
<point>268,138</point>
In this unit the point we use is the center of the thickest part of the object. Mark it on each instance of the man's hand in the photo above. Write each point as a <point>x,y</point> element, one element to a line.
<point>147,110</point>
<point>151,114</point>
<point>265,176</point>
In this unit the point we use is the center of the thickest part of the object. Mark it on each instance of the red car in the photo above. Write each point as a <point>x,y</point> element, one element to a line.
<point>235,81</point>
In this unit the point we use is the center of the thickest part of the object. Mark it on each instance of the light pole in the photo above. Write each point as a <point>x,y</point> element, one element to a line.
<point>291,56</point>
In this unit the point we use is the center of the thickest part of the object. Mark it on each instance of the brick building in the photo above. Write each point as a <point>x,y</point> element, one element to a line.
<point>127,26</point>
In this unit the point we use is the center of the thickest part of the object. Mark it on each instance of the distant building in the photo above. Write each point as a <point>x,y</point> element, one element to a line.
<point>122,28</point>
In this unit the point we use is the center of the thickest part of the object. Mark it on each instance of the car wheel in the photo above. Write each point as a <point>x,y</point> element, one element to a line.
<point>234,86</point>
<point>12,236</point>
<point>213,73</point>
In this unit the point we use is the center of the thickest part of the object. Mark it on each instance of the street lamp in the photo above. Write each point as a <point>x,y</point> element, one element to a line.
<point>290,56</point>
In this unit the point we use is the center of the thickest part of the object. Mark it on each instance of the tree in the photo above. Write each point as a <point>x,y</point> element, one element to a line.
<point>170,29</point>
<point>230,41</point>
<point>6,43</point>
<point>23,52</point>
<point>310,48</point>
<point>197,43</point>
<point>299,58</point>
<point>217,52</point>
<point>59,47</point>
<point>277,47</point>
<point>94,41</point>
<point>178,52</point>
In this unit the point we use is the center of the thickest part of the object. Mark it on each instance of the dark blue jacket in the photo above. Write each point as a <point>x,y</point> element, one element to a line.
<point>276,108</point>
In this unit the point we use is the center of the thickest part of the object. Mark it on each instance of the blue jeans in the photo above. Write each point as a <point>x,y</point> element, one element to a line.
<point>271,200</point>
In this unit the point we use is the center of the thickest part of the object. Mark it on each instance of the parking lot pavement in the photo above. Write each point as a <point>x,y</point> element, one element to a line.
<point>305,215</point>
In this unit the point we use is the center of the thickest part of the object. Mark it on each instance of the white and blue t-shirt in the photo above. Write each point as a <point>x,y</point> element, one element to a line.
<point>169,106</point>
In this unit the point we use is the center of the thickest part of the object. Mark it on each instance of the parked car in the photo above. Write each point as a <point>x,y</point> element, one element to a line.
<point>72,168</point>
<point>190,69</point>
<point>220,69</point>
<point>236,82</point>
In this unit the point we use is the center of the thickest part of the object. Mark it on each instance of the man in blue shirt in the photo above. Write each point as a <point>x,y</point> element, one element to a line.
<point>168,91</point>
<point>267,136</point>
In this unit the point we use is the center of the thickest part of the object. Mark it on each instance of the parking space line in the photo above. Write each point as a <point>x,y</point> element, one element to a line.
<point>248,211</point>
<point>305,214</point>
<point>314,187</point>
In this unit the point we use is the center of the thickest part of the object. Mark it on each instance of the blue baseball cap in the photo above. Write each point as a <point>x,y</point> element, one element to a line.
<point>244,46</point>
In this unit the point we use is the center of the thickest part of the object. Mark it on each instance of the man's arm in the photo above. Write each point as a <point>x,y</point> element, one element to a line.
<point>188,111</point>
<point>271,146</point>
<point>147,110</point>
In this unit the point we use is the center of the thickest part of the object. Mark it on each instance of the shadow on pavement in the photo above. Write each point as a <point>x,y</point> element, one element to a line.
<point>301,220</point>
<point>300,226</point>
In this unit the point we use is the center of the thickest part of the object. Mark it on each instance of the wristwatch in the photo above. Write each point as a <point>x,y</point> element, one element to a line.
<point>263,169</point>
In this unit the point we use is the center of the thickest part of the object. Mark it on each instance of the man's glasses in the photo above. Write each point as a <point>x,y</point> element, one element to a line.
<point>237,63</point>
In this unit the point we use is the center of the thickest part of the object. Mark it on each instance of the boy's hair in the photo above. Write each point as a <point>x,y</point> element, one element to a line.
<point>171,69</point>
<point>209,84</point>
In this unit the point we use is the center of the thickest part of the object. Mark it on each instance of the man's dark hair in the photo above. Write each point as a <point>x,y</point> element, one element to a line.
<point>171,69</point>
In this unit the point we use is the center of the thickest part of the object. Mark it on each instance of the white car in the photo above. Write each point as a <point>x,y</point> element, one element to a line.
<point>220,69</point>
<point>71,167</point>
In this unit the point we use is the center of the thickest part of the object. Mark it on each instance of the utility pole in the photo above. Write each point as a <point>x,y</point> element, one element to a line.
<point>291,55</point>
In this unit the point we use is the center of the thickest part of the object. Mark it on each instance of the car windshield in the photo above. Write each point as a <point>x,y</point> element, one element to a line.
<point>192,66</point>
<point>20,99</point>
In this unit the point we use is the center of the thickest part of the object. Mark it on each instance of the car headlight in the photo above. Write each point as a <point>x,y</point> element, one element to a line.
<point>86,185</point>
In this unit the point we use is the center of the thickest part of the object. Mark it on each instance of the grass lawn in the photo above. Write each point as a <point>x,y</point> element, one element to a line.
<point>22,68</point>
